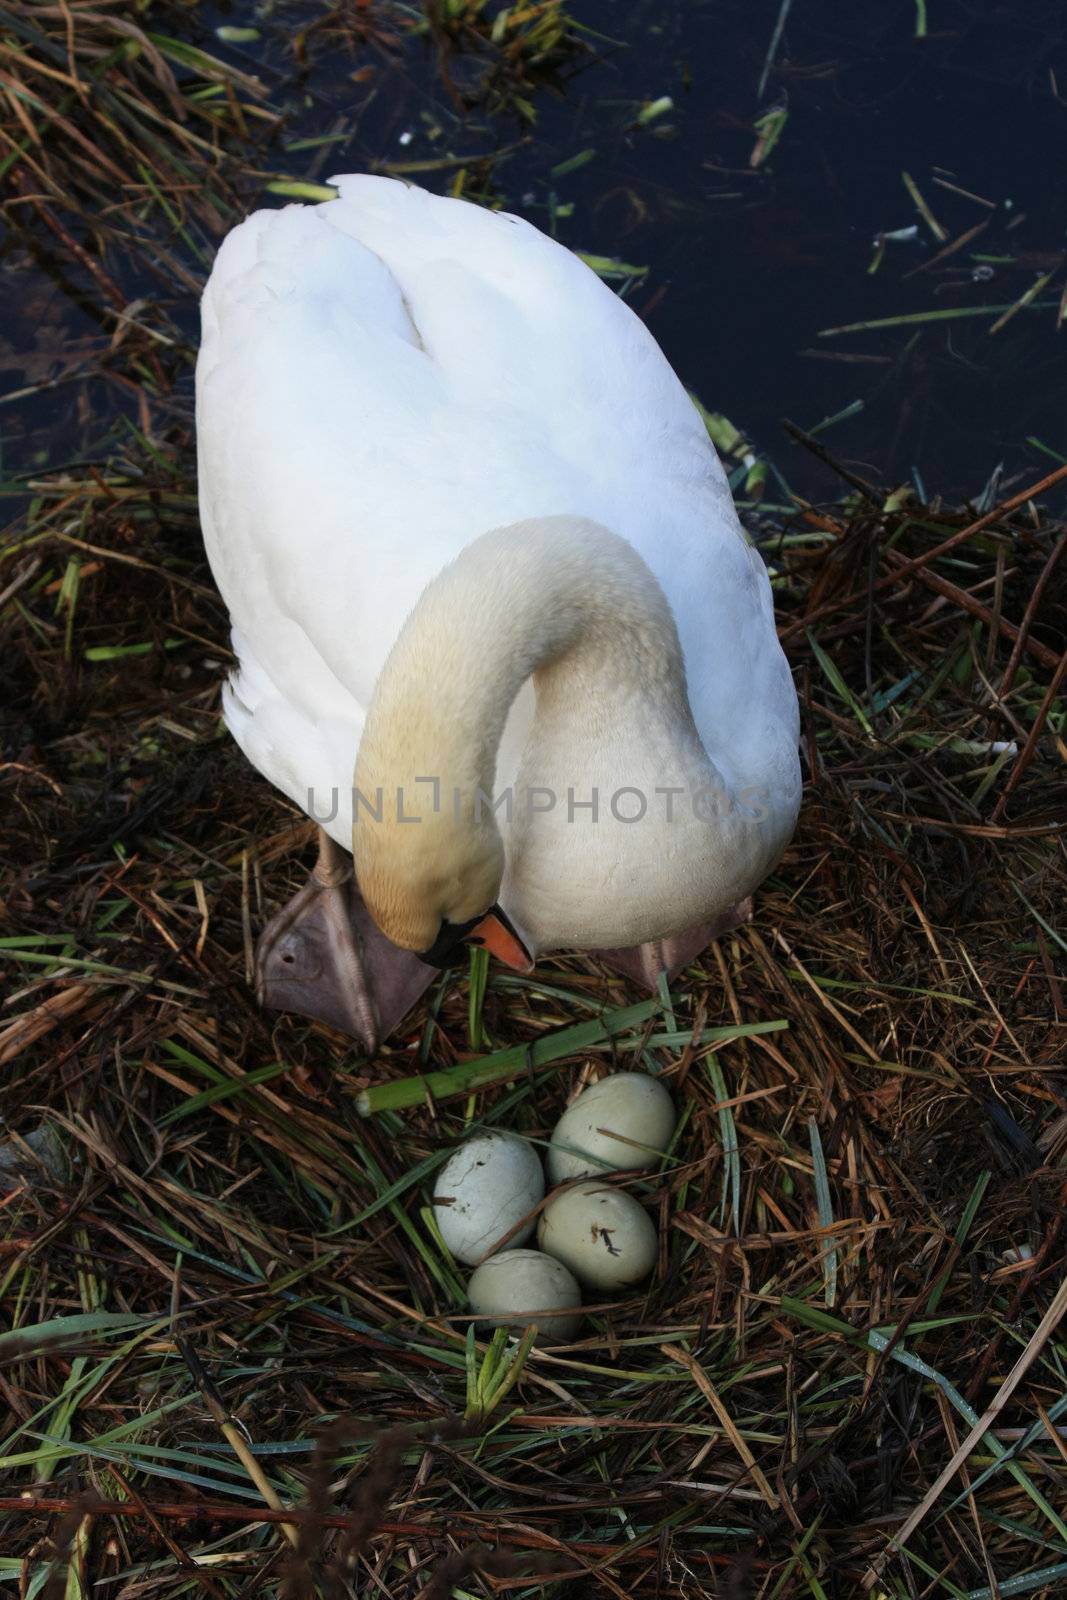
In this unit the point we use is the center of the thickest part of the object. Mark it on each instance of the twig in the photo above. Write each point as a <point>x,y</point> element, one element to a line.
<point>967,602</point>
<point>1004,1393</point>
<point>820,452</point>
<point>1028,616</point>
<point>233,1435</point>
<point>1026,754</point>
<point>917,563</point>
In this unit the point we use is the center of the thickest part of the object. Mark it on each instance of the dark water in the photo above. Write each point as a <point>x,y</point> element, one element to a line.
<point>746,266</point>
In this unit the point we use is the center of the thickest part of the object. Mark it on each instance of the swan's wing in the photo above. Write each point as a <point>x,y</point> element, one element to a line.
<point>338,474</point>
<point>391,374</point>
<point>526,337</point>
<point>278,500</point>
<point>512,320</point>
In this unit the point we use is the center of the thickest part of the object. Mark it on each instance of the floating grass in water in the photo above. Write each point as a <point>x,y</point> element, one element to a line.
<point>523,47</point>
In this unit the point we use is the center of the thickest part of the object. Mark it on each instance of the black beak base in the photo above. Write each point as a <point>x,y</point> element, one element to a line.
<point>447,949</point>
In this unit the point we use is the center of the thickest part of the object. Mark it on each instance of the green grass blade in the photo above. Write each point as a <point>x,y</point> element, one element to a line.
<point>503,1064</point>
<point>223,1091</point>
<point>963,1229</point>
<point>731,1174</point>
<point>825,1208</point>
<point>45,1337</point>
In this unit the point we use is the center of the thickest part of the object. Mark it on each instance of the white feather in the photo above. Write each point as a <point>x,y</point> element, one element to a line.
<point>385,377</point>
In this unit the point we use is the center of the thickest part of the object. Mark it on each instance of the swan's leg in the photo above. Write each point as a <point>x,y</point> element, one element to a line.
<point>644,962</point>
<point>322,956</point>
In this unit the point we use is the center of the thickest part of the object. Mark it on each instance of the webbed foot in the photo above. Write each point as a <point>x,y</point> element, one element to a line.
<point>645,962</point>
<point>322,956</point>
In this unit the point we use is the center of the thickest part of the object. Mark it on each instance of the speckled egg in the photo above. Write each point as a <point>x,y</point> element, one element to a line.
<point>508,1289</point>
<point>623,1122</point>
<point>600,1233</point>
<point>488,1185</point>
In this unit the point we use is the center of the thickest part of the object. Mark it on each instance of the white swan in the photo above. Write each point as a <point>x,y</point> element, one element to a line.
<point>468,524</point>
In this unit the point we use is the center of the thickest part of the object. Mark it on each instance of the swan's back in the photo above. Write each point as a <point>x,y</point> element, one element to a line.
<point>389,375</point>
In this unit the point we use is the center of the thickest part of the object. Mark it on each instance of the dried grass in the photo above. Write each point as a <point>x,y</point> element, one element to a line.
<point>862,1220</point>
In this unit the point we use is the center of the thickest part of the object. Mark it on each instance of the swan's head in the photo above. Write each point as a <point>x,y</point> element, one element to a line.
<point>431,885</point>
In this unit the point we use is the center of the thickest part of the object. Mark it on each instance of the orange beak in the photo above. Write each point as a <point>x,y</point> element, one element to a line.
<point>496,935</point>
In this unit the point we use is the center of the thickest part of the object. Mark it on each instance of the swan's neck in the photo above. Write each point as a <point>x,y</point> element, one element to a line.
<point>619,828</point>
<point>558,598</point>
